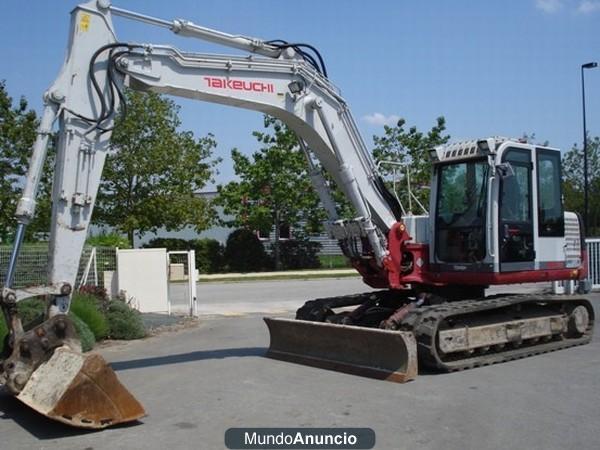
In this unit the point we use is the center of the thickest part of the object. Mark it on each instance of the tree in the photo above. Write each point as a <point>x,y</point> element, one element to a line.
<point>154,171</point>
<point>573,182</point>
<point>245,253</point>
<point>532,139</point>
<point>274,188</point>
<point>17,134</point>
<point>410,147</point>
<point>40,223</point>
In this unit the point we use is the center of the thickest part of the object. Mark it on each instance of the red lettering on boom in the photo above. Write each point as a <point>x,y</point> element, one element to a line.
<point>239,85</point>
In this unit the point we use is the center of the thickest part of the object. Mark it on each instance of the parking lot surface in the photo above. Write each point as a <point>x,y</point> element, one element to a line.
<point>198,382</point>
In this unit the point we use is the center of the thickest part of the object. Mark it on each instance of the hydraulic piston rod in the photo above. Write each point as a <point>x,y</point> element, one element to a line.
<point>190,29</point>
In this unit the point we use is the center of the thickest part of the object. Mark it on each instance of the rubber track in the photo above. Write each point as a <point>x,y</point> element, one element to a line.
<point>431,317</point>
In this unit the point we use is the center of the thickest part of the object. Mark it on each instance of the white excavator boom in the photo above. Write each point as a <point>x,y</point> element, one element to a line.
<point>43,366</point>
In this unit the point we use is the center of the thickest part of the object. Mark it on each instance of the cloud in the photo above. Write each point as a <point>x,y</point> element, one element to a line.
<point>588,6</point>
<point>583,6</point>
<point>381,119</point>
<point>549,6</point>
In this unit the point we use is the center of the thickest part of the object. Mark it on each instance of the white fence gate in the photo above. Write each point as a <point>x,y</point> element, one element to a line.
<point>182,282</point>
<point>155,280</point>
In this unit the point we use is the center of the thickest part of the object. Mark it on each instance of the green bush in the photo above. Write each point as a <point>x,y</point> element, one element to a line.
<point>83,331</point>
<point>210,257</point>
<point>93,318</point>
<point>299,254</point>
<point>169,243</point>
<point>245,253</point>
<point>31,309</point>
<point>3,333</point>
<point>85,334</point>
<point>119,321</point>
<point>99,294</point>
<point>87,308</point>
<point>209,252</point>
<point>95,291</point>
<point>123,322</point>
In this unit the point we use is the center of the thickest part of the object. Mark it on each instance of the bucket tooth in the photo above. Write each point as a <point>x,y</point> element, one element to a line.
<point>81,391</point>
<point>371,352</point>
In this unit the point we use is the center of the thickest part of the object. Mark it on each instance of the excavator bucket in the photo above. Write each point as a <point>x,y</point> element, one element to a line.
<point>81,391</point>
<point>382,354</point>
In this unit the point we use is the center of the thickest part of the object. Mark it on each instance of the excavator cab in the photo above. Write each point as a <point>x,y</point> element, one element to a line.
<point>497,209</point>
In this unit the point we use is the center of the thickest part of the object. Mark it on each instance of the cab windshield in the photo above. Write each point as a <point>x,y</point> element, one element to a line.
<point>461,211</point>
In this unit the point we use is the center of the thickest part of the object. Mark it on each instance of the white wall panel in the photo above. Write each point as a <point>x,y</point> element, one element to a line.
<point>142,274</point>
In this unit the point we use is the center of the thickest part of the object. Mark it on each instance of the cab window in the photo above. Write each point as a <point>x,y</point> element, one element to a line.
<point>550,210</point>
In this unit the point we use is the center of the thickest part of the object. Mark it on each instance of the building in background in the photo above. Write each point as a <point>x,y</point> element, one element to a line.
<point>220,233</point>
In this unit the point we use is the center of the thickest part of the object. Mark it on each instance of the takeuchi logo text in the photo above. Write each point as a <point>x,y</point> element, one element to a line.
<point>239,85</point>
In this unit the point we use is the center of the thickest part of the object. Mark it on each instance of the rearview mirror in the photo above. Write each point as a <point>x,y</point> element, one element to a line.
<point>505,170</point>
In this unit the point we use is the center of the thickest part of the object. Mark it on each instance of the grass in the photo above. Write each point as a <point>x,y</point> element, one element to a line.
<point>334,262</point>
<point>283,276</point>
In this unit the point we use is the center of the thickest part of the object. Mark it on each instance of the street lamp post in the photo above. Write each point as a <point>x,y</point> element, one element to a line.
<point>589,65</point>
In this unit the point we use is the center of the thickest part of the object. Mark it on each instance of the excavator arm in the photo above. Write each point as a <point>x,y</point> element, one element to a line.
<point>86,96</point>
<point>42,364</point>
<point>292,91</point>
<point>44,368</point>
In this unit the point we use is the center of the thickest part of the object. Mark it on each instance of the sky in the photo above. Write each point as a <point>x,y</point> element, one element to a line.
<point>490,67</point>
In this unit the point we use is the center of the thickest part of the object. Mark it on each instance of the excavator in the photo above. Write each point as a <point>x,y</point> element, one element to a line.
<point>496,218</point>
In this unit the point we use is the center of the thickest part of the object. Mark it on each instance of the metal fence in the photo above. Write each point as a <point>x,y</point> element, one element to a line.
<point>32,265</point>
<point>94,262</point>
<point>593,248</point>
<point>329,246</point>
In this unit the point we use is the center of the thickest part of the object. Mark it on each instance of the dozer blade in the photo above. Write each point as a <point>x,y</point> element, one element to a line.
<point>382,354</point>
<point>81,391</point>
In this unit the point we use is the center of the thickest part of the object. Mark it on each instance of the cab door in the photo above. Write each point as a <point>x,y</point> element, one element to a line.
<point>551,219</point>
<point>516,234</point>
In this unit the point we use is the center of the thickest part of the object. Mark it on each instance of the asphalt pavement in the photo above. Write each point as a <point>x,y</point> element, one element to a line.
<point>198,382</point>
<point>282,296</point>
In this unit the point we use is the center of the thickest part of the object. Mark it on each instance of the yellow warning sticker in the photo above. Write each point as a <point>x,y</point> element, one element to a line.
<point>84,22</point>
